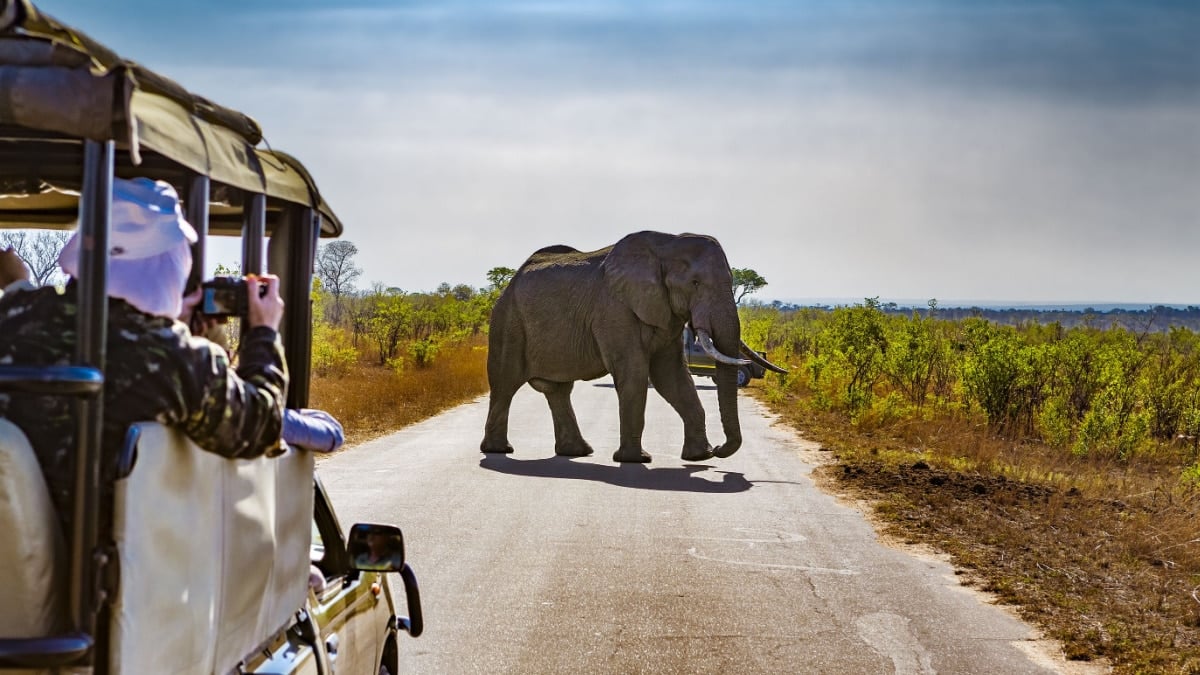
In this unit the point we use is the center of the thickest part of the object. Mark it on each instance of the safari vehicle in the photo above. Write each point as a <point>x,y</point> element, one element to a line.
<point>205,567</point>
<point>702,364</point>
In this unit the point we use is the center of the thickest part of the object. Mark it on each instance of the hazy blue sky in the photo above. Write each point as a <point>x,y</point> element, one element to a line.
<point>1037,151</point>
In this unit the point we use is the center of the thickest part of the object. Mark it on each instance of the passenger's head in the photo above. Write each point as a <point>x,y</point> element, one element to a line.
<point>150,254</point>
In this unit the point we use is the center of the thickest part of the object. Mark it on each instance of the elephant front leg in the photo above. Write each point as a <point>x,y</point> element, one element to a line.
<point>568,441</point>
<point>631,395</point>
<point>672,381</point>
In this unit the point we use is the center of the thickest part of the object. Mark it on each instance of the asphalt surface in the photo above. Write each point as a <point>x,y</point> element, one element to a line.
<point>531,563</point>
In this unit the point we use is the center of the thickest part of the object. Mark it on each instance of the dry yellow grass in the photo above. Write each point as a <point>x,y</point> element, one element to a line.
<point>371,401</point>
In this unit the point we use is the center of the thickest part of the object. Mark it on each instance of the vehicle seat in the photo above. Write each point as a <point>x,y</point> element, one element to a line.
<point>32,553</point>
<point>214,554</point>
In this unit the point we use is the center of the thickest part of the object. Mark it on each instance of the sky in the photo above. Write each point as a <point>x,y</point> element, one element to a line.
<point>1024,151</point>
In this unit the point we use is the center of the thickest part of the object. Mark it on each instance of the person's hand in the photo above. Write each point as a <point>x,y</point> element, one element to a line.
<point>190,302</point>
<point>199,323</point>
<point>267,309</point>
<point>12,268</point>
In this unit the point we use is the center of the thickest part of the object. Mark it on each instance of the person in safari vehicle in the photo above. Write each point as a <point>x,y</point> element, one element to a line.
<point>157,370</point>
<point>172,538</point>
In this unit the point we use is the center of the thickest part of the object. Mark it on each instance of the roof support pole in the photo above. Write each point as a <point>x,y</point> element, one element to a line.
<point>254,228</point>
<point>305,224</point>
<point>291,254</point>
<point>197,214</point>
<point>95,220</point>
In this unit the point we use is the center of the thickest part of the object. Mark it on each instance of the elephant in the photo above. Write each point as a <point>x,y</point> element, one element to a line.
<point>570,315</point>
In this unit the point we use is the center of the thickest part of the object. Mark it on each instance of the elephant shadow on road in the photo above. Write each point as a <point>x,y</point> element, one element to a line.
<point>640,476</point>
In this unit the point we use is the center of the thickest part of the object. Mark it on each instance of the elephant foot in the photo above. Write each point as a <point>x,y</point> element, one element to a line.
<point>725,450</point>
<point>697,453</point>
<point>636,455</point>
<point>505,449</point>
<point>577,449</point>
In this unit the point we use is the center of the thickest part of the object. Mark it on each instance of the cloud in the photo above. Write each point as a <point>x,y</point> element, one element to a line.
<point>1017,150</point>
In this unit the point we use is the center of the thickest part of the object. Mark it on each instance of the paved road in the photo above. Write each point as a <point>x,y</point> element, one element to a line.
<point>531,563</point>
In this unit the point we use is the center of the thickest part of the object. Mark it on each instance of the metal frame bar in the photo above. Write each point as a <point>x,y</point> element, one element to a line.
<point>254,228</point>
<point>52,380</point>
<point>297,347</point>
<point>95,221</point>
<point>198,190</point>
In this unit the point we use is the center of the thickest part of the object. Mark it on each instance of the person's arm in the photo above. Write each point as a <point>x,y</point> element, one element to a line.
<point>234,413</point>
<point>314,430</point>
<point>238,414</point>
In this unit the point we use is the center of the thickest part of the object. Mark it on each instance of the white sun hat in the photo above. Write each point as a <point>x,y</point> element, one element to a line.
<point>150,253</point>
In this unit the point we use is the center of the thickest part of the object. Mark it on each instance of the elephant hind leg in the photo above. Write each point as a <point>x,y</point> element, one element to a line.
<point>568,441</point>
<point>495,431</point>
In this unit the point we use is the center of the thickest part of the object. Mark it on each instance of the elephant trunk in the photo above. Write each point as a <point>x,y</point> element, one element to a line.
<point>728,341</point>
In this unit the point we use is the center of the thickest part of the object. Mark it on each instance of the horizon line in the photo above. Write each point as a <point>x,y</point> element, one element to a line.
<point>913,303</point>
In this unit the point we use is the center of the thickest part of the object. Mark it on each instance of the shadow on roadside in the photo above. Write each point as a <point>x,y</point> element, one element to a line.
<point>640,476</point>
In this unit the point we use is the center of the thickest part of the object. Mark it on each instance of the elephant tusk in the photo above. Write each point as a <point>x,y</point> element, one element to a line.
<point>709,348</point>
<point>758,358</point>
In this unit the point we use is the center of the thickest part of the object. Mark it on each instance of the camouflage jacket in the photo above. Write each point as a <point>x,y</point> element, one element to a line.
<point>155,370</point>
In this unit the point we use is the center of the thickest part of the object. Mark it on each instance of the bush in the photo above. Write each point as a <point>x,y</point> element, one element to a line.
<point>332,354</point>
<point>423,352</point>
<point>857,336</point>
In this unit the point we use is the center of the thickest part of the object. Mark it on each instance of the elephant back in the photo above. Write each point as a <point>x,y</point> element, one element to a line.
<point>561,255</point>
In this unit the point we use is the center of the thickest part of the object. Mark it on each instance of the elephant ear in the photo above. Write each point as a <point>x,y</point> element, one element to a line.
<point>633,270</point>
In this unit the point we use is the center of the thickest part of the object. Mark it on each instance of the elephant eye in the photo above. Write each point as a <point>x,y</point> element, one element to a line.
<point>696,283</point>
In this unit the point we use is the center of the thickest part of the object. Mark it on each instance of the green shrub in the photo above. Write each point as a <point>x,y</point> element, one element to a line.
<point>1054,423</point>
<point>890,409</point>
<point>332,354</point>
<point>858,337</point>
<point>917,358</point>
<point>423,352</point>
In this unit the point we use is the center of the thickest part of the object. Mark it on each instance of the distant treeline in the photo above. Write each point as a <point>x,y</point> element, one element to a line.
<point>1156,319</point>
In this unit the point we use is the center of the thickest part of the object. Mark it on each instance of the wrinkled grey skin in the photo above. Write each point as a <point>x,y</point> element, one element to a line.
<point>569,315</point>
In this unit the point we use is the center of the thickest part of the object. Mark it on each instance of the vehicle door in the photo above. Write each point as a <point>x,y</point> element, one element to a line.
<point>352,609</point>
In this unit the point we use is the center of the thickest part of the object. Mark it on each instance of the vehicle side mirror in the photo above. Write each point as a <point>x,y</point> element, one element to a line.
<point>376,548</point>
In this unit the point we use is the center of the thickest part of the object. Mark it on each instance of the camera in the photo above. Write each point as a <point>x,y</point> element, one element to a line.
<point>226,296</point>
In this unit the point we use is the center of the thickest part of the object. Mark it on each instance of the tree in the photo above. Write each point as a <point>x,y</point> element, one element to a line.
<point>745,282</point>
<point>336,268</point>
<point>390,319</point>
<point>38,250</point>
<point>337,272</point>
<point>499,277</point>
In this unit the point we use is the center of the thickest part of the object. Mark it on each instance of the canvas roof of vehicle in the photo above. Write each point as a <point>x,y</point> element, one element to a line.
<point>57,85</point>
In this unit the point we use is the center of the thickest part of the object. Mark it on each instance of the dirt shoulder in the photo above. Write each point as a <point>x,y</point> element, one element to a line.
<point>1107,579</point>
